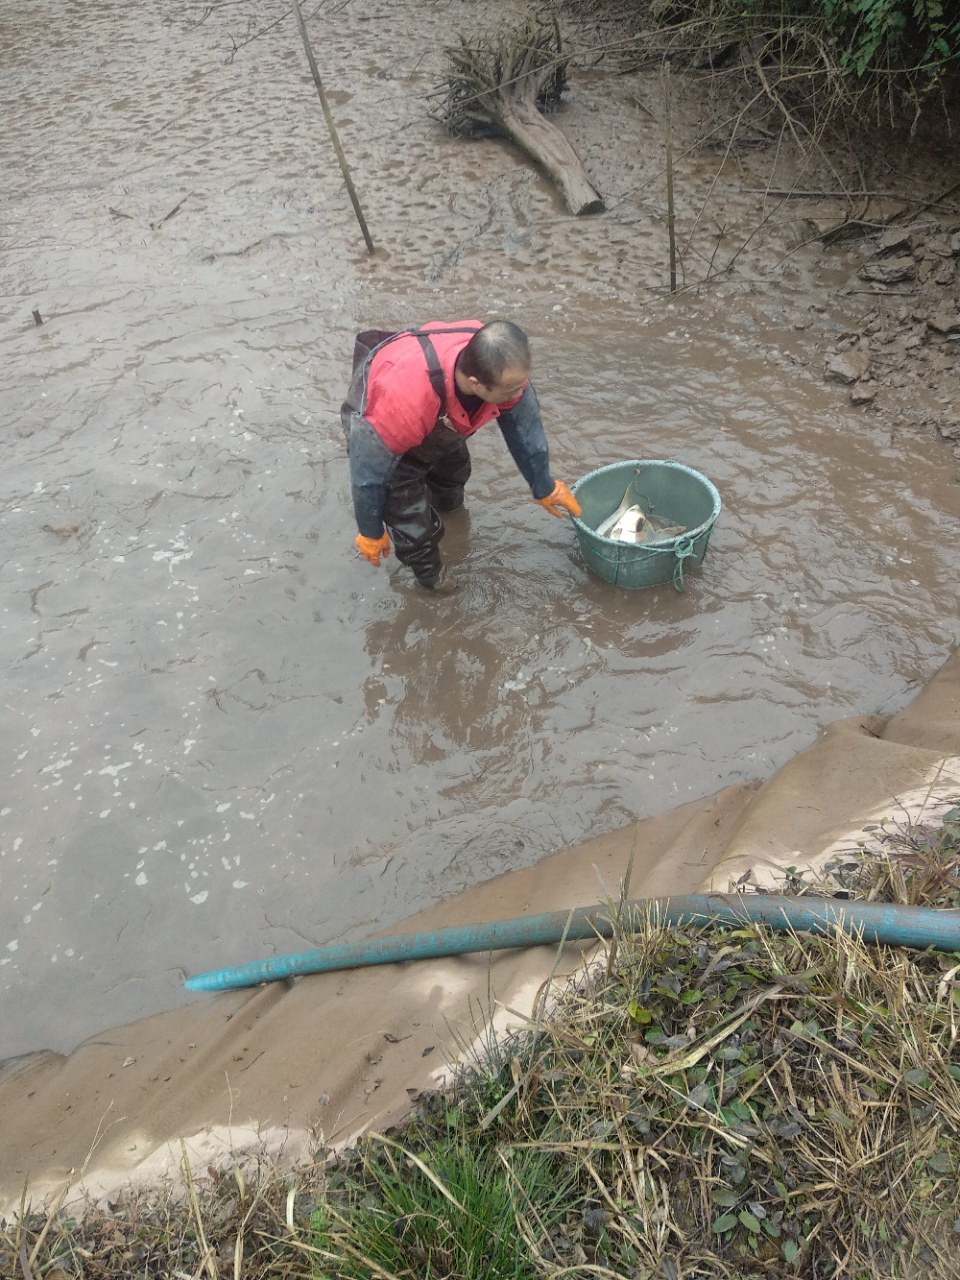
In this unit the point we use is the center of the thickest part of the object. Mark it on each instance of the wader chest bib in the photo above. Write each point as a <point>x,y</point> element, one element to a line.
<point>443,438</point>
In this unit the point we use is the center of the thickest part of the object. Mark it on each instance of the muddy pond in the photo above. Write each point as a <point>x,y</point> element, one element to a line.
<point>223,735</point>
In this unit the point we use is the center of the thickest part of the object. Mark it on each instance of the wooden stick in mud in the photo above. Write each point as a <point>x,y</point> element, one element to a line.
<point>328,116</point>
<point>668,130</point>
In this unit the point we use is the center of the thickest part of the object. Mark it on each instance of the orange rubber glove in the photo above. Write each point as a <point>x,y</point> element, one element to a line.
<point>373,549</point>
<point>561,502</point>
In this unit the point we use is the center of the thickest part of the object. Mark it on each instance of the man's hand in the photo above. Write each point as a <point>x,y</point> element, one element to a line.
<point>561,502</point>
<point>374,549</point>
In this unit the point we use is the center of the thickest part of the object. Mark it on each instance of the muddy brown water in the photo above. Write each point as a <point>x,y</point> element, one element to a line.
<point>223,736</point>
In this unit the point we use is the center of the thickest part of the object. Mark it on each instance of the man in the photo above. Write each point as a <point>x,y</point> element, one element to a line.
<point>416,398</point>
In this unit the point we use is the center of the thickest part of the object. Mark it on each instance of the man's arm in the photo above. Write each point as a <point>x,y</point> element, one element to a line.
<point>522,429</point>
<point>371,466</point>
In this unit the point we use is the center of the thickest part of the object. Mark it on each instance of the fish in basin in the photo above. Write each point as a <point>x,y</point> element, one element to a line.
<point>634,525</point>
<point>623,526</point>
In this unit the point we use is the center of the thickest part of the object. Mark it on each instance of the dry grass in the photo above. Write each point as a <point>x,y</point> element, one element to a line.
<point>226,1223</point>
<point>914,863</point>
<point>723,1104</point>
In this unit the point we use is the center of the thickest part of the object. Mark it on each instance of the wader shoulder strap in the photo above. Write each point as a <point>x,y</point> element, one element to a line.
<point>433,364</point>
<point>434,372</point>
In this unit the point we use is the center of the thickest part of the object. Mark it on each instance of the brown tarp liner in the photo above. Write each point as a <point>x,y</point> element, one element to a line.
<point>291,1067</point>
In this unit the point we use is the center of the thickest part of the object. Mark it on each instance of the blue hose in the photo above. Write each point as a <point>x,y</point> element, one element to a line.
<point>878,922</point>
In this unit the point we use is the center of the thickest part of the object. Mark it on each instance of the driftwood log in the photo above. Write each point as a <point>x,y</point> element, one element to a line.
<point>501,86</point>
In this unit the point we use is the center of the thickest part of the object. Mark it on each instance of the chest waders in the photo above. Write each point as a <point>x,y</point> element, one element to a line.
<point>428,477</point>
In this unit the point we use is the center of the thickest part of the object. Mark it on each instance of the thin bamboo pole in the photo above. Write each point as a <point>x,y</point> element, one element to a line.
<point>668,130</point>
<point>328,116</point>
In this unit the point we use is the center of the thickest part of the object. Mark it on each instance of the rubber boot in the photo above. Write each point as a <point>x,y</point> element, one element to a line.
<point>445,500</point>
<point>443,583</point>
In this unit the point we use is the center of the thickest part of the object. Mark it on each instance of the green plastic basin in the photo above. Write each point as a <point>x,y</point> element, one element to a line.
<point>671,491</point>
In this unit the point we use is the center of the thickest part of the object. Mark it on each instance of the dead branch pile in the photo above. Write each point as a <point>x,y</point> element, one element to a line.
<point>499,86</point>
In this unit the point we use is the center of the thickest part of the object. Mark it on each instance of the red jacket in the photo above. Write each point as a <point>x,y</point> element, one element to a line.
<point>400,403</point>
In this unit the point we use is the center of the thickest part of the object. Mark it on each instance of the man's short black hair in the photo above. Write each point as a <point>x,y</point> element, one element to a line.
<point>497,346</point>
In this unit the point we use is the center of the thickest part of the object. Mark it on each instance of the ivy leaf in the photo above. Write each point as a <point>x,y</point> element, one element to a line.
<point>638,1013</point>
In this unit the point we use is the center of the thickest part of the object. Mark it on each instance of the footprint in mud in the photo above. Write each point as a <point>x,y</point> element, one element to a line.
<point>503,214</point>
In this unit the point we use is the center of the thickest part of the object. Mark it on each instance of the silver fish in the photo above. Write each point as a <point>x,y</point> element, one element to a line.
<point>630,523</point>
<point>609,521</point>
<point>625,526</point>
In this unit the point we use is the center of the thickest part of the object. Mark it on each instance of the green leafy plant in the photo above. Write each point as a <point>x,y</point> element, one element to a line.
<point>883,34</point>
<point>461,1208</point>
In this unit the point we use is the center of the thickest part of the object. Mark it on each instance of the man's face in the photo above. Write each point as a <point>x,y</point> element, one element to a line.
<point>507,387</point>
